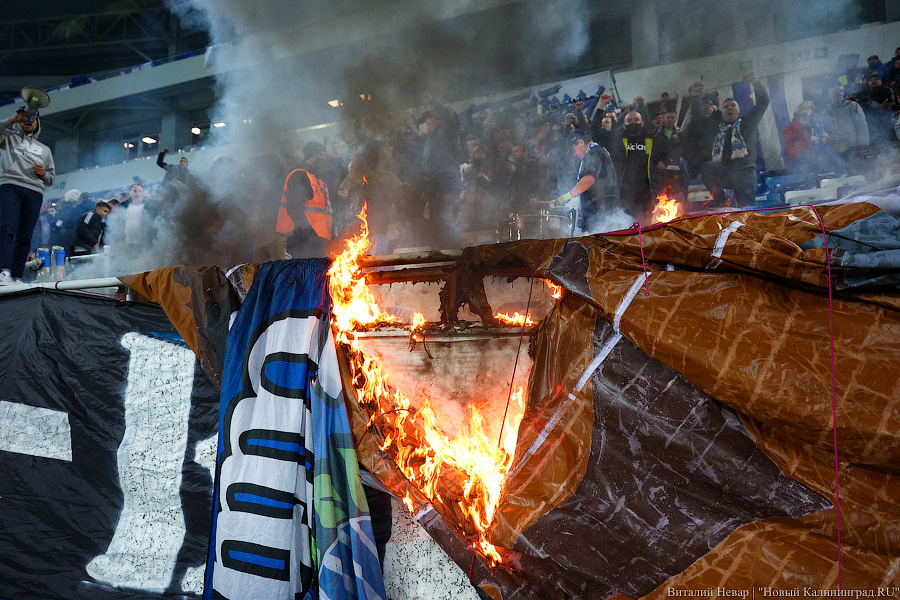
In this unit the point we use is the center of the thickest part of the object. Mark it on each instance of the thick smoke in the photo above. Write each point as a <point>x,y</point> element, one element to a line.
<point>279,62</point>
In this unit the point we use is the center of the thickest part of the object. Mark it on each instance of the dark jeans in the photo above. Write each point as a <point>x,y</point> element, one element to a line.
<point>717,178</point>
<point>19,211</point>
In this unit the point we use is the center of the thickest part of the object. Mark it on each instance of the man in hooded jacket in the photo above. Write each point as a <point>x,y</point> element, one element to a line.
<point>26,168</point>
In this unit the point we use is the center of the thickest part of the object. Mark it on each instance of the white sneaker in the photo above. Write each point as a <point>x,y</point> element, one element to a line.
<point>5,277</point>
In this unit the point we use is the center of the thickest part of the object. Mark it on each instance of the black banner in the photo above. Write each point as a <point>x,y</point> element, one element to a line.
<point>107,437</point>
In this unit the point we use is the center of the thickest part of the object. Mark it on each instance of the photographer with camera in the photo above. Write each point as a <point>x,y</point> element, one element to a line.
<point>26,168</point>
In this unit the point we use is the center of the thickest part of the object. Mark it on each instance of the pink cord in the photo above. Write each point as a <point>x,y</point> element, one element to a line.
<point>637,226</point>
<point>837,494</point>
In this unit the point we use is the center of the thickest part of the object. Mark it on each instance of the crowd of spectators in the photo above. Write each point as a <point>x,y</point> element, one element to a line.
<point>451,179</point>
<point>460,178</point>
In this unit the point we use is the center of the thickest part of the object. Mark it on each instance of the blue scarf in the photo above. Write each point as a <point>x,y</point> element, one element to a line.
<point>738,145</point>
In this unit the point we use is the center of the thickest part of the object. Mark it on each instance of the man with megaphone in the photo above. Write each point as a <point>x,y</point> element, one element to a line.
<point>26,168</point>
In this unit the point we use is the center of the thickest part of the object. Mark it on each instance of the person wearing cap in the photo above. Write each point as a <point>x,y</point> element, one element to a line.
<point>876,65</point>
<point>874,86</point>
<point>596,181</point>
<point>26,168</point>
<point>303,227</point>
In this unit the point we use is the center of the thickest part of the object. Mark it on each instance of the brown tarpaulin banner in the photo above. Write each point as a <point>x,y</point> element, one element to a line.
<point>710,413</point>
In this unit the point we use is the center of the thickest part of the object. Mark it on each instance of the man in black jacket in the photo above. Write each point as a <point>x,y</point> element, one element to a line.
<point>89,230</point>
<point>700,133</point>
<point>177,172</point>
<point>733,164</point>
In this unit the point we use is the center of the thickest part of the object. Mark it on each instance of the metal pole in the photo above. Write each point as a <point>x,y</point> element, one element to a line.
<point>82,284</point>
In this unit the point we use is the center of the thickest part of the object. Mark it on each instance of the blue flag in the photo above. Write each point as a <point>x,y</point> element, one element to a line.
<point>290,518</point>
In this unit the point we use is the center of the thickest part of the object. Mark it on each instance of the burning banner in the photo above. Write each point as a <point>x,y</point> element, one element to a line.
<point>464,473</point>
<point>678,424</point>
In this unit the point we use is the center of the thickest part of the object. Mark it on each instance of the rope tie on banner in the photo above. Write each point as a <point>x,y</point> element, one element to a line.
<point>637,226</point>
<point>837,494</point>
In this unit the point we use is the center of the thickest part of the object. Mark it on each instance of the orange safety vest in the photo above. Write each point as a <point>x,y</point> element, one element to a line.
<point>317,209</point>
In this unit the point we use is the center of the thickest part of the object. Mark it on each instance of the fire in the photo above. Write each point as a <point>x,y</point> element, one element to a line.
<point>463,475</point>
<point>555,290</point>
<point>353,303</point>
<point>515,319</point>
<point>666,208</point>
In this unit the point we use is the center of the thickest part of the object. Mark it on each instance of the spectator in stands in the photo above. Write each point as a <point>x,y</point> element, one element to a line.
<point>668,171</point>
<point>89,230</point>
<point>797,135</point>
<point>877,66</point>
<point>878,113</point>
<point>440,165</point>
<point>26,168</point>
<point>503,169</point>
<point>855,81</point>
<point>846,131</point>
<point>875,85</point>
<point>527,180</point>
<point>893,66</point>
<point>634,168</point>
<point>639,106</point>
<point>603,133</point>
<point>476,202</point>
<point>45,232</point>
<point>579,120</point>
<point>380,189</point>
<point>596,182</point>
<point>733,164</point>
<point>602,127</point>
<point>304,216</point>
<point>333,168</point>
<point>472,142</point>
<point>700,133</point>
<point>807,154</point>
<point>348,202</point>
<point>177,172</point>
<point>113,204</point>
<point>137,220</point>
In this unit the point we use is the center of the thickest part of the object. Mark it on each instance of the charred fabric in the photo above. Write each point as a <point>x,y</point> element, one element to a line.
<point>712,403</point>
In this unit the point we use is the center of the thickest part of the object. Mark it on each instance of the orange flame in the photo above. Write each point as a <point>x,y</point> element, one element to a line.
<point>408,501</point>
<point>555,290</point>
<point>666,208</point>
<point>464,475</point>
<point>515,319</point>
<point>353,303</point>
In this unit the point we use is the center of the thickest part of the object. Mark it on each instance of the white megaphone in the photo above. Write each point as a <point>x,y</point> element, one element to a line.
<point>35,99</point>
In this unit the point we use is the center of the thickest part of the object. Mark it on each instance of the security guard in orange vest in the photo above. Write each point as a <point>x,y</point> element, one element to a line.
<point>304,215</point>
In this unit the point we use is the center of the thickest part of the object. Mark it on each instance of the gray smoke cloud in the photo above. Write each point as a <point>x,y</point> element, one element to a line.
<point>278,63</point>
